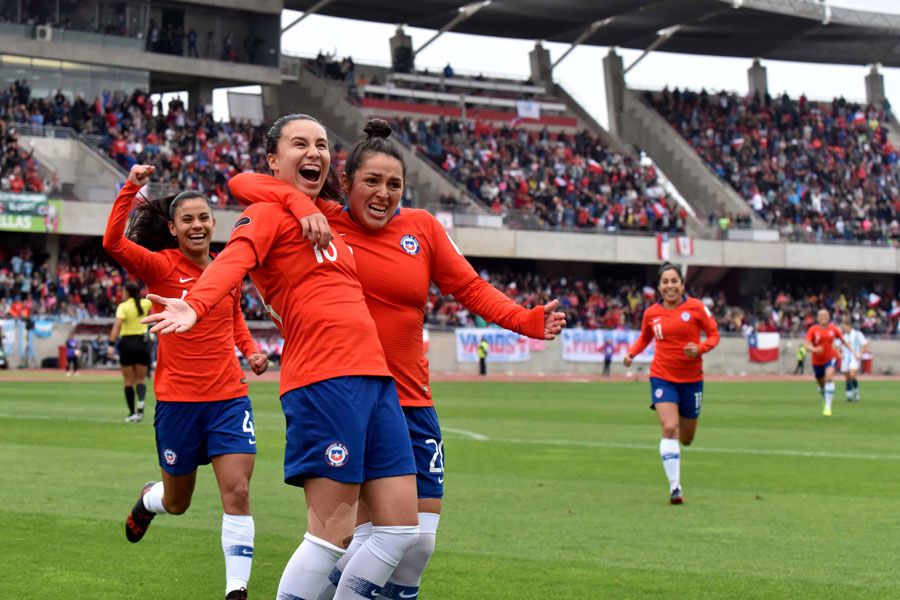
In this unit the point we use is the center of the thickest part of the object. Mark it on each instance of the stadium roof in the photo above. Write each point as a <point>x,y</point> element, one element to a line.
<point>796,30</point>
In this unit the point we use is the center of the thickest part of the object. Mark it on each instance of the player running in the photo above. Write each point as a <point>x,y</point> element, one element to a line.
<point>398,252</point>
<point>820,340</point>
<point>856,344</point>
<point>134,348</point>
<point>346,435</point>
<point>676,373</point>
<point>203,414</point>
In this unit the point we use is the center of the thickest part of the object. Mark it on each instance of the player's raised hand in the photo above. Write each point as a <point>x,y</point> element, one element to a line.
<point>259,362</point>
<point>628,360</point>
<point>177,316</point>
<point>554,320</point>
<point>140,174</point>
<point>316,229</point>
<point>691,350</point>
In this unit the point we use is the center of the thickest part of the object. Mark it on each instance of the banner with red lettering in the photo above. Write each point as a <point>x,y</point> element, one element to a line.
<point>503,346</point>
<point>592,345</point>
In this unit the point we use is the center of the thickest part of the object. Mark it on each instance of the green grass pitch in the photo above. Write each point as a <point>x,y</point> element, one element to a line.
<point>554,491</point>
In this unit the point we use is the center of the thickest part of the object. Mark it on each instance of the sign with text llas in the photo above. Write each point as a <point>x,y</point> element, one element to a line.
<point>29,212</point>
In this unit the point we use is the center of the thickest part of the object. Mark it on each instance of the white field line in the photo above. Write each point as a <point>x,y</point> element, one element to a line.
<point>469,434</point>
<point>645,447</point>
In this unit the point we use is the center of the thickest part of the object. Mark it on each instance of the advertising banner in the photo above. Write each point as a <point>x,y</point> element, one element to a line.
<point>29,212</point>
<point>588,345</point>
<point>503,346</point>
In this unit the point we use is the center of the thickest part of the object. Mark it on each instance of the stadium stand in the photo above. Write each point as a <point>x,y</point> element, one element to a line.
<point>814,170</point>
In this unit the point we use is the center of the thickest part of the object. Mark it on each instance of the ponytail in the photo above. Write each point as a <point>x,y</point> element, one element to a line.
<point>134,292</point>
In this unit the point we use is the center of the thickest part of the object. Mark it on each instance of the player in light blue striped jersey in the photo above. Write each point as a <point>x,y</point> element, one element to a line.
<point>852,350</point>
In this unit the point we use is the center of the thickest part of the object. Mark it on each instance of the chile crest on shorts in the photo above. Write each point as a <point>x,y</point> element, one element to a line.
<point>410,244</point>
<point>336,454</point>
<point>170,457</point>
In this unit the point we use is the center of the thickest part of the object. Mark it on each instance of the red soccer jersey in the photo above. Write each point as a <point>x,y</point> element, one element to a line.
<point>824,337</point>
<point>673,329</point>
<point>312,295</point>
<point>395,265</point>
<point>200,365</point>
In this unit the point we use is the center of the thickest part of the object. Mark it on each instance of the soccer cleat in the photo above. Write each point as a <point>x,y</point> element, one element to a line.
<point>826,412</point>
<point>132,418</point>
<point>677,496</point>
<point>138,520</point>
<point>240,594</point>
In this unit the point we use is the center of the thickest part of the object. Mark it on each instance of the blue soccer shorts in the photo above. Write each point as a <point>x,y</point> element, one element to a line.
<point>688,396</point>
<point>190,434</point>
<point>819,370</point>
<point>347,429</point>
<point>428,449</point>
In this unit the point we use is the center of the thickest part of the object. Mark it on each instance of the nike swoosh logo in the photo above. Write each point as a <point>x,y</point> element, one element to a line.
<point>342,234</point>
<point>254,441</point>
<point>404,595</point>
<point>246,552</point>
<point>185,279</point>
<point>440,480</point>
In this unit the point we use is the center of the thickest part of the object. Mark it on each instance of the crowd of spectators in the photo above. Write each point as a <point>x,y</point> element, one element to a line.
<point>566,181</point>
<point>592,304</point>
<point>814,170</point>
<point>19,169</point>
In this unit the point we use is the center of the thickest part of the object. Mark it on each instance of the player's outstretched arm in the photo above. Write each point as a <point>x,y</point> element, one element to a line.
<point>177,316</point>
<point>249,188</point>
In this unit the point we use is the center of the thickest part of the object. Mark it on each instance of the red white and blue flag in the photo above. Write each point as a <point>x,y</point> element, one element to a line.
<point>763,347</point>
<point>663,249</point>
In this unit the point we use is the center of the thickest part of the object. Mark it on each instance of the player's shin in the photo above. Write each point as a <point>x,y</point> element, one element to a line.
<point>153,499</point>
<point>670,452</point>
<point>141,390</point>
<point>306,574</point>
<point>129,398</point>
<point>829,395</point>
<point>404,582</point>
<point>369,569</point>
<point>237,544</point>
<point>360,535</point>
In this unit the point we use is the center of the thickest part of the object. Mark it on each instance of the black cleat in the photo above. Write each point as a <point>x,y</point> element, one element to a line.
<point>240,594</point>
<point>676,497</point>
<point>138,520</point>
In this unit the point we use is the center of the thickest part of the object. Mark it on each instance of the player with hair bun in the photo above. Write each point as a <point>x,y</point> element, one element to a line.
<point>203,414</point>
<point>676,373</point>
<point>346,435</point>
<point>398,252</point>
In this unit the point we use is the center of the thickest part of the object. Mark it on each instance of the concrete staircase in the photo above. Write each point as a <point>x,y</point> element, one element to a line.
<point>648,130</point>
<point>303,92</point>
<point>85,172</point>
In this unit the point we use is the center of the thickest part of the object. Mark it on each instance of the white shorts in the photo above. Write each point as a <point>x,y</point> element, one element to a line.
<point>849,363</point>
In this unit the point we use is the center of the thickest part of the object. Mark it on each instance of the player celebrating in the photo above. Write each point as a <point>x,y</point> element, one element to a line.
<point>820,340</point>
<point>398,251</point>
<point>676,373</point>
<point>346,435</point>
<point>203,413</point>
<point>856,344</point>
<point>134,347</point>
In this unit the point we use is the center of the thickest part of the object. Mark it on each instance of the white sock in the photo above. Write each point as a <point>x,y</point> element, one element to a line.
<point>237,544</point>
<point>360,535</point>
<point>404,583</point>
<point>369,569</point>
<point>153,499</point>
<point>306,574</point>
<point>829,394</point>
<point>849,392</point>
<point>670,452</point>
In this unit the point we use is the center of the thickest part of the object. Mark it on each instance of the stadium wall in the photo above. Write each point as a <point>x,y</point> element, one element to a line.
<point>729,358</point>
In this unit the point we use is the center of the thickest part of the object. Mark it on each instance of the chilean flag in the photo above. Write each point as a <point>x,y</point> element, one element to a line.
<point>594,166</point>
<point>763,347</point>
<point>663,249</point>
<point>685,245</point>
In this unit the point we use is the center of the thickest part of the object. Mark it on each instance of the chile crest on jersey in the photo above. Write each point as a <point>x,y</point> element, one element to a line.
<point>410,244</point>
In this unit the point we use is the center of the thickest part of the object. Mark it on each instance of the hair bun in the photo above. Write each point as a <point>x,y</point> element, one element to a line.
<point>377,128</point>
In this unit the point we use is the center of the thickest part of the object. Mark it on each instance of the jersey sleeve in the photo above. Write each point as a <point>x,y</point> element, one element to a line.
<point>242,338</point>
<point>136,259</point>
<point>710,328</point>
<point>809,335</point>
<point>251,239</point>
<point>120,311</point>
<point>644,339</point>
<point>249,188</point>
<point>454,275</point>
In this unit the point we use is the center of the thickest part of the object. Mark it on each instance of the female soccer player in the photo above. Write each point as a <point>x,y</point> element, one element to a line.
<point>820,340</point>
<point>346,435</point>
<point>856,343</point>
<point>676,373</point>
<point>134,347</point>
<point>398,252</point>
<point>203,414</point>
